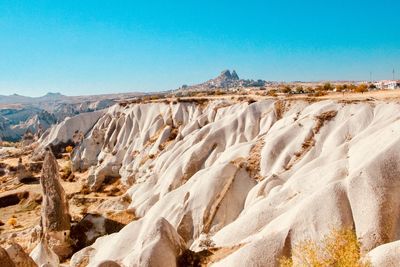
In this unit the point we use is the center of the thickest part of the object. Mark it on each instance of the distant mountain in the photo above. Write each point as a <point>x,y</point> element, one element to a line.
<point>226,80</point>
<point>14,98</point>
<point>19,99</point>
<point>52,96</point>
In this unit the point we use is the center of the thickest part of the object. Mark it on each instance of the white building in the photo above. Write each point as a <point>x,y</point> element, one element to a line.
<point>388,84</point>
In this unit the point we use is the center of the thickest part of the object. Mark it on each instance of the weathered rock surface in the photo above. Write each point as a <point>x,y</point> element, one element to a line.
<point>386,255</point>
<point>37,114</point>
<point>259,177</point>
<point>67,131</point>
<point>159,246</point>
<point>55,215</point>
<point>19,256</point>
<point>5,260</point>
<point>22,172</point>
<point>44,256</point>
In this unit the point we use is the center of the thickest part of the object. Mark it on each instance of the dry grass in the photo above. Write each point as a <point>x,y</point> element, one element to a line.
<point>279,109</point>
<point>66,170</point>
<point>123,217</point>
<point>309,142</point>
<point>253,161</point>
<point>339,248</point>
<point>322,118</point>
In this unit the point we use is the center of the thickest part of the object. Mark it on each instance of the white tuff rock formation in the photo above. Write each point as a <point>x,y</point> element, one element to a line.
<point>44,256</point>
<point>255,178</point>
<point>64,132</point>
<point>22,172</point>
<point>55,215</point>
<point>19,256</point>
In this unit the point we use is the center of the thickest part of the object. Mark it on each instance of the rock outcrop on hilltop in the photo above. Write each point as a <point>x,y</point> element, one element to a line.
<point>248,179</point>
<point>226,80</point>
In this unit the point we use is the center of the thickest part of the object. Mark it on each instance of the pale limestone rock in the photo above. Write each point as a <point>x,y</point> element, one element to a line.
<point>71,129</point>
<point>55,215</point>
<point>42,254</point>
<point>22,172</point>
<point>19,256</point>
<point>258,178</point>
<point>386,255</point>
<point>160,245</point>
<point>5,260</point>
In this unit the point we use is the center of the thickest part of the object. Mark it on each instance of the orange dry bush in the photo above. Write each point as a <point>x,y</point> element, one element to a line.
<point>69,149</point>
<point>339,248</point>
<point>361,88</point>
<point>272,92</point>
<point>12,222</point>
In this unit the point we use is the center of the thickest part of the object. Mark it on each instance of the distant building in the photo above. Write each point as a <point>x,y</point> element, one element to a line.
<point>388,84</point>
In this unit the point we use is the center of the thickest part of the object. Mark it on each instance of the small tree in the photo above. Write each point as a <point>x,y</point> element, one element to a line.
<point>286,89</point>
<point>352,87</point>
<point>327,87</point>
<point>309,89</point>
<point>340,88</point>
<point>299,90</point>
<point>361,88</point>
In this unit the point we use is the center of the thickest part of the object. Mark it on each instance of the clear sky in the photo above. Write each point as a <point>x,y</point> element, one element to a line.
<point>90,47</point>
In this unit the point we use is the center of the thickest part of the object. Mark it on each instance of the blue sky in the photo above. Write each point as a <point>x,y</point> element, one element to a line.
<point>93,47</point>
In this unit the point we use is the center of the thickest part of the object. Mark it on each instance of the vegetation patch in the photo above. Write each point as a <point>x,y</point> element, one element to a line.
<point>279,109</point>
<point>339,248</point>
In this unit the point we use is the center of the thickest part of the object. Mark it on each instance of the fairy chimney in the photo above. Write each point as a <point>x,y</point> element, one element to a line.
<point>22,172</point>
<point>55,213</point>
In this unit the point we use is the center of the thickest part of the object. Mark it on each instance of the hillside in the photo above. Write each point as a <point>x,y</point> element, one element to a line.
<point>241,181</point>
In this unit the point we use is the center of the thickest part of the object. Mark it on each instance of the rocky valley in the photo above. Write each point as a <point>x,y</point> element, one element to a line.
<point>207,181</point>
<point>27,118</point>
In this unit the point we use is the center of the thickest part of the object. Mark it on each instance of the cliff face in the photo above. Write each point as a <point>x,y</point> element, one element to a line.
<point>254,178</point>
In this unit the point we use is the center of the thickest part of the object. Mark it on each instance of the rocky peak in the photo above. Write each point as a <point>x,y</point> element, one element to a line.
<point>234,75</point>
<point>225,79</point>
<point>226,75</point>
